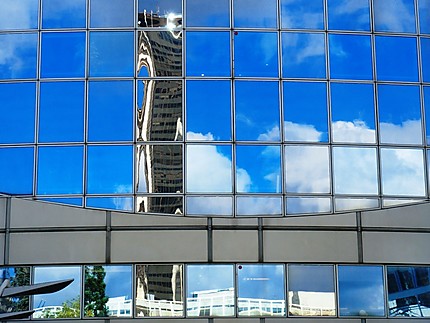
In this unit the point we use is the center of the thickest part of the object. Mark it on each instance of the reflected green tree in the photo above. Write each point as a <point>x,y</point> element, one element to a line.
<point>71,308</point>
<point>19,276</point>
<point>95,298</point>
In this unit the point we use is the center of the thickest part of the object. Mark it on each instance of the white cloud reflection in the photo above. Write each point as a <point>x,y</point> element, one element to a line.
<point>18,14</point>
<point>394,15</point>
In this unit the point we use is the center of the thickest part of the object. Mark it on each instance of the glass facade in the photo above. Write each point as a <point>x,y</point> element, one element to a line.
<point>230,108</point>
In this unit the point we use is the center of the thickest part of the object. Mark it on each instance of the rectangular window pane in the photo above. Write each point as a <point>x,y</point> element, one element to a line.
<point>17,276</point>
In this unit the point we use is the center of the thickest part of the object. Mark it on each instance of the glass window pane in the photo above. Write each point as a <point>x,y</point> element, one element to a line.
<point>355,170</point>
<point>255,54</point>
<point>303,163</point>
<point>258,169</point>
<point>305,116</point>
<point>353,113</point>
<point>350,57</point>
<point>426,91</point>
<point>396,58</point>
<point>424,7</point>
<point>60,170</point>
<point>402,172</point>
<point>111,53</point>
<point>159,290</point>
<point>257,111</point>
<point>308,205</point>
<point>408,291</point>
<point>217,43</point>
<point>261,290</point>
<point>67,123</point>
<point>17,276</point>
<point>110,169</point>
<point>20,14</point>
<point>348,15</point>
<point>207,296</point>
<point>107,291</point>
<point>77,201</point>
<point>394,15</point>
<point>258,206</point>
<point>110,111</point>
<point>16,170</point>
<point>17,112</point>
<point>201,13</point>
<point>303,55</point>
<point>425,57</point>
<point>361,291</point>
<point>255,13</point>
<point>159,110</point>
<point>311,290</point>
<point>349,204</point>
<point>210,205</point>
<point>216,178</point>
<point>18,55</point>
<point>112,13</point>
<point>64,303</point>
<point>159,53</point>
<point>173,205</point>
<point>208,110</point>
<point>302,14</point>
<point>399,114</point>
<point>160,13</point>
<point>159,169</point>
<point>63,13</point>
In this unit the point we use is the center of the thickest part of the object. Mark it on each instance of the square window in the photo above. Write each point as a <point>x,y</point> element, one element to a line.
<point>64,13</point>
<point>201,13</point>
<point>112,13</point>
<point>19,55</point>
<point>302,14</point>
<point>16,170</point>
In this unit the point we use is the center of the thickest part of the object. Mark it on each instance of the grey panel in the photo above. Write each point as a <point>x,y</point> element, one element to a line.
<point>241,320</point>
<point>57,247</point>
<point>400,320</point>
<point>2,212</point>
<point>347,219</point>
<point>158,320</point>
<point>159,246</point>
<point>1,249</point>
<point>127,219</point>
<point>235,246</point>
<point>396,247</point>
<point>32,214</point>
<point>233,222</point>
<point>313,320</point>
<point>310,246</point>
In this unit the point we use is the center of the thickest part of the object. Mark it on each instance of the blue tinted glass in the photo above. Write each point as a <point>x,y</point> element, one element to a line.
<point>308,205</point>
<point>110,110</point>
<point>352,112</point>
<point>425,57</point>
<point>305,116</point>
<point>361,291</point>
<point>111,53</point>
<point>303,55</point>
<point>20,14</point>
<point>426,91</point>
<point>208,110</point>
<point>256,54</point>
<point>18,56</point>
<point>217,43</point>
<point>216,178</point>
<point>63,13</point>
<point>348,15</point>
<point>64,200</point>
<point>257,111</point>
<point>59,170</point>
<point>202,13</point>
<point>302,14</point>
<point>63,54</point>
<point>399,114</point>
<point>61,111</point>
<point>394,15</point>
<point>424,6</point>
<point>110,169</point>
<point>16,170</point>
<point>255,13</point>
<point>18,102</point>
<point>111,203</point>
<point>112,13</point>
<point>396,58</point>
<point>258,169</point>
<point>210,205</point>
<point>350,57</point>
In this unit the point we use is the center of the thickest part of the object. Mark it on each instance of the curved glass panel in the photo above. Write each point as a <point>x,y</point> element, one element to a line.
<point>348,15</point>
<point>201,13</point>
<point>20,14</point>
<point>350,204</point>
<point>394,15</point>
<point>64,13</point>
<point>16,170</point>
<point>255,13</point>
<point>299,14</point>
<point>112,13</point>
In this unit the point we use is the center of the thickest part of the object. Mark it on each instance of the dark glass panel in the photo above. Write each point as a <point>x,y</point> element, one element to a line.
<point>394,15</point>
<point>60,170</point>
<point>64,200</point>
<point>255,13</point>
<point>159,13</point>
<point>112,13</point>
<point>159,110</point>
<point>111,203</point>
<point>202,13</point>
<point>18,14</point>
<point>308,205</point>
<point>171,204</point>
<point>258,206</point>
<point>299,14</point>
<point>217,45</point>
<point>18,55</point>
<point>159,53</point>
<point>348,15</point>
<point>61,111</point>
<point>64,13</point>
<point>17,276</point>
<point>16,170</point>
<point>210,205</point>
<point>110,111</point>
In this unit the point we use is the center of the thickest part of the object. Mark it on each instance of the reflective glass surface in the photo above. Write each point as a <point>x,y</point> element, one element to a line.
<point>297,14</point>
<point>361,291</point>
<point>112,13</point>
<point>425,58</point>
<point>110,203</point>
<point>394,15</point>
<point>258,206</point>
<point>207,296</point>
<point>172,205</point>
<point>311,290</point>
<point>64,13</point>
<point>257,111</point>
<point>424,13</point>
<point>258,290</point>
<point>348,15</point>
<point>308,205</point>
<point>201,13</point>
<point>20,14</point>
<point>17,276</point>
<point>159,290</point>
<point>426,91</point>
<point>16,170</point>
<point>210,205</point>
<point>255,13</point>
<point>160,13</point>
<point>349,204</point>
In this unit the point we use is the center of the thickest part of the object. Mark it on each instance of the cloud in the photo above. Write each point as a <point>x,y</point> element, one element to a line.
<point>301,132</point>
<point>15,53</point>
<point>408,132</point>
<point>394,16</point>
<point>350,7</point>
<point>210,205</point>
<point>18,14</point>
<point>259,205</point>
<point>304,46</point>
<point>355,131</point>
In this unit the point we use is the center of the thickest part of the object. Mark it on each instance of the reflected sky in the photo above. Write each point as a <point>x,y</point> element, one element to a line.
<point>16,170</point>
<point>210,205</point>
<point>112,13</point>
<point>306,205</point>
<point>258,205</point>
<point>255,13</point>
<point>425,58</point>
<point>201,278</point>
<point>297,14</point>
<point>18,55</point>
<point>20,14</point>
<point>261,281</point>
<point>394,15</point>
<point>426,91</point>
<point>201,13</point>
<point>63,13</point>
<point>424,13</point>
<point>311,278</point>
<point>111,203</point>
<point>349,15</point>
